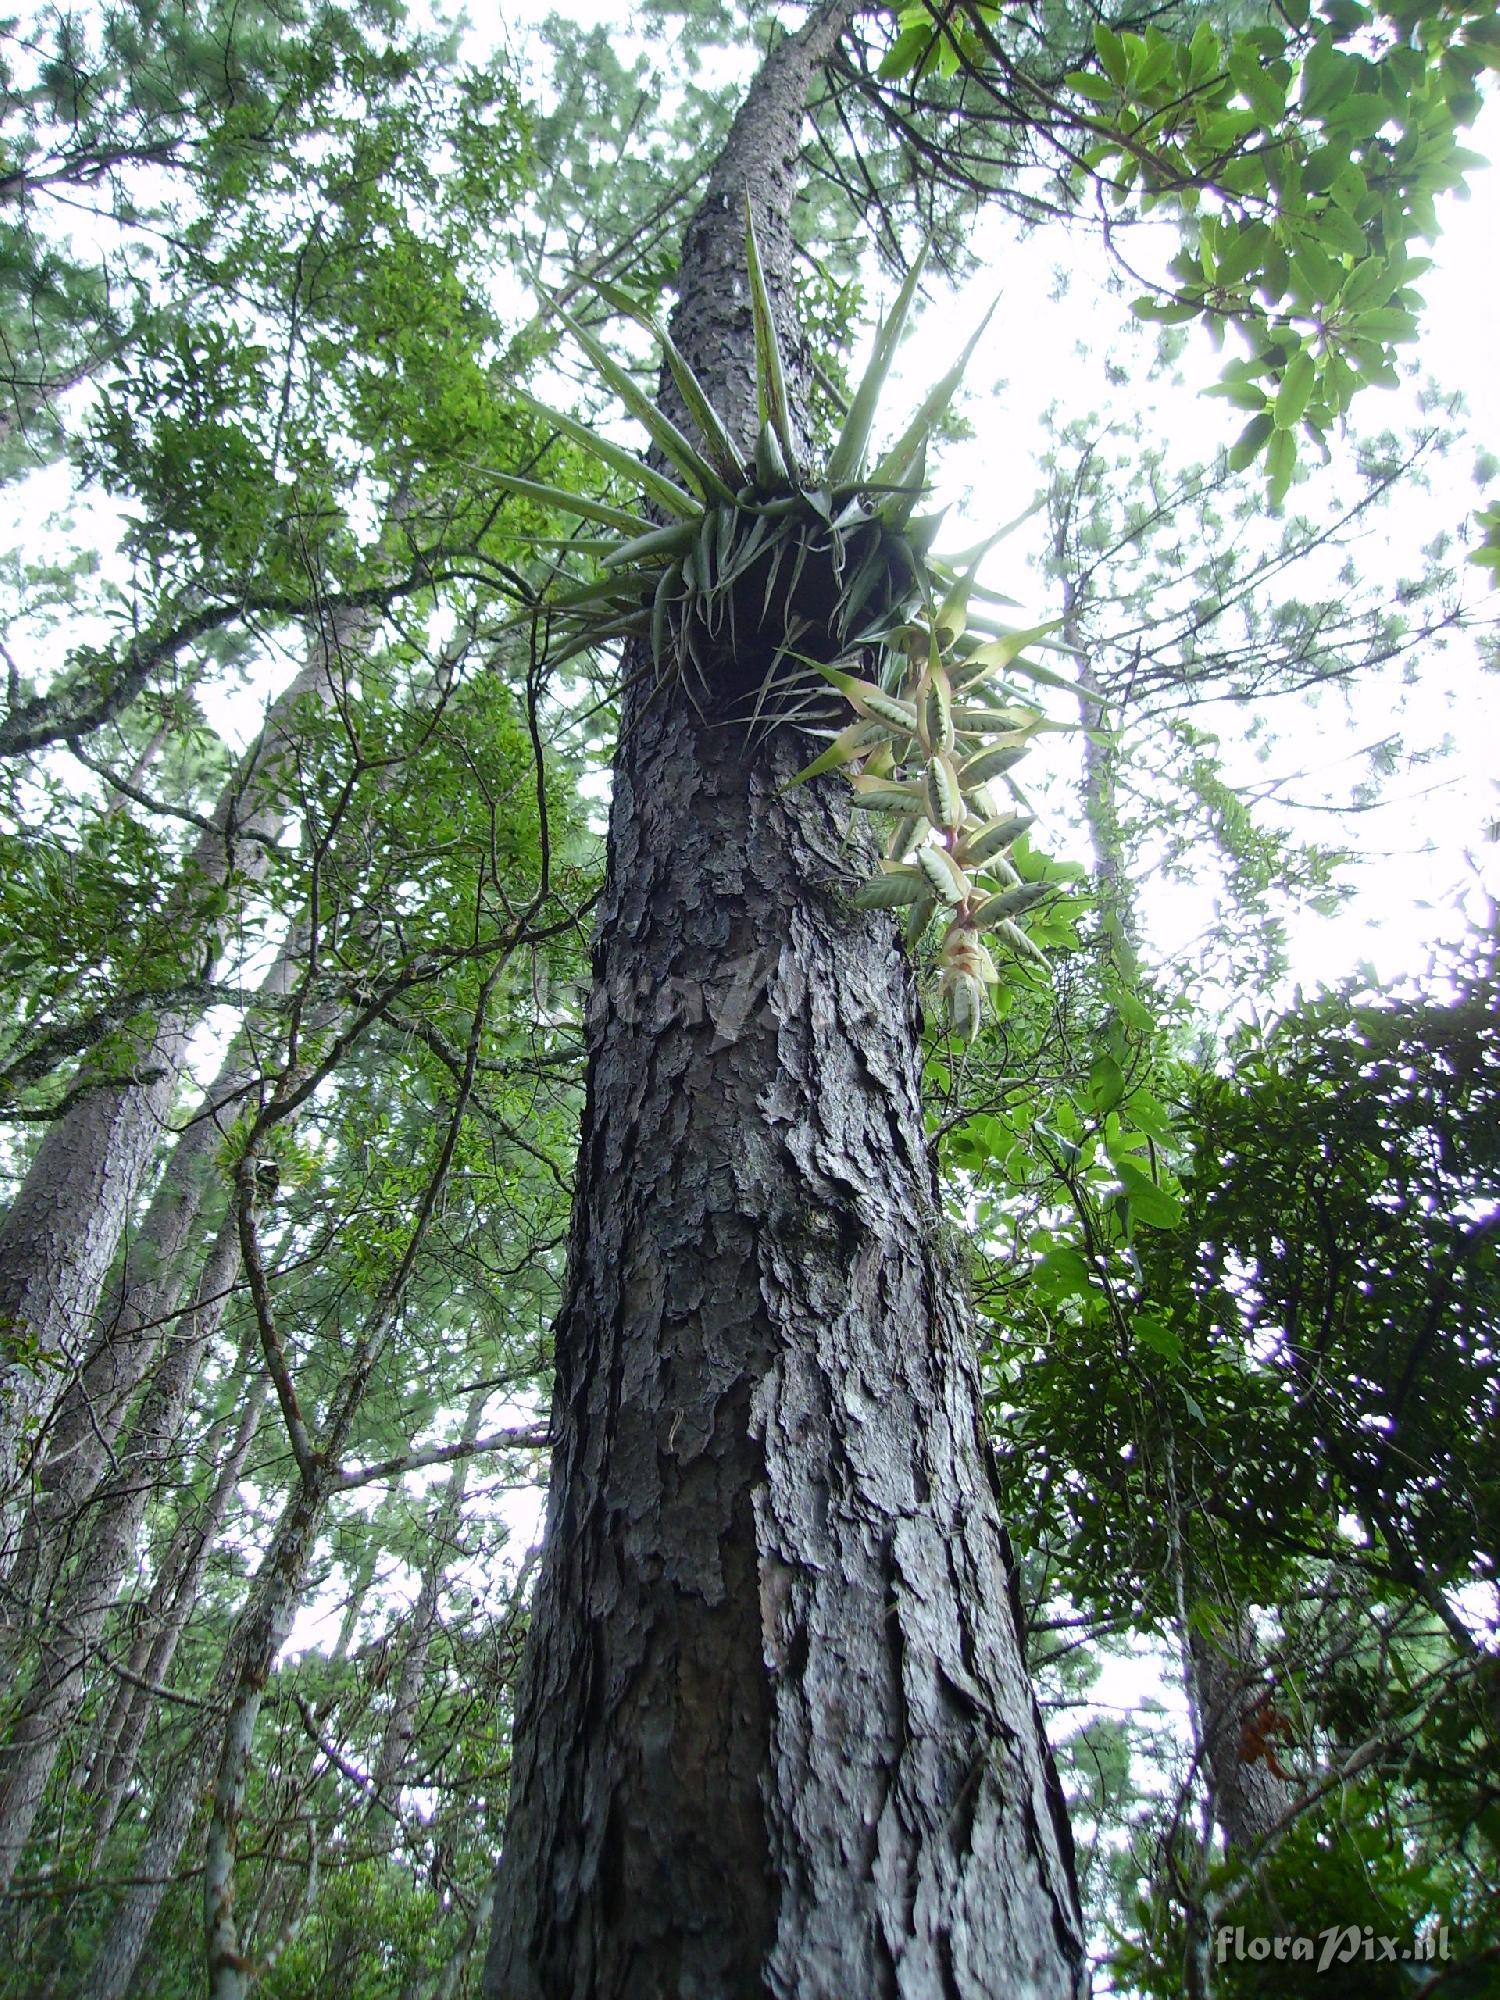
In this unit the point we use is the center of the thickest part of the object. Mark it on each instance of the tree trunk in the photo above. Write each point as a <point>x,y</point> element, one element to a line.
<point>72,1631</point>
<point>173,1596</point>
<point>61,1233</point>
<point>261,1633</point>
<point>132,1322</point>
<point>239,1686</point>
<point>258,1632</point>
<point>418,1629</point>
<point>223,1753</point>
<point>410,1639</point>
<point>774,1733</point>
<point>446,1984</point>
<point>1101,763</point>
<point>1235,1699</point>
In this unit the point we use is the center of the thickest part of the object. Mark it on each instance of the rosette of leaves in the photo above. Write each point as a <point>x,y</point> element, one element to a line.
<point>760,585</point>
<point>738,571</point>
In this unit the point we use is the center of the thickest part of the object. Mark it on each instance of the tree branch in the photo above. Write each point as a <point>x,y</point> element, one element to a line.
<point>532,1437</point>
<point>270,1338</point>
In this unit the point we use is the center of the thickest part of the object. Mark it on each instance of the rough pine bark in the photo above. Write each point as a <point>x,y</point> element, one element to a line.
<point>774,1734</point>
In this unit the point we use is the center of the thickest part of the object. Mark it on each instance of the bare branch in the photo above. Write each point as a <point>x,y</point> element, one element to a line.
<point>530,1437</point>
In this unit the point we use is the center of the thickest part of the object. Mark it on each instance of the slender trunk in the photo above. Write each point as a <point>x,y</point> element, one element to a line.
<point>774,1733</point>
<point>360,1578</point>
<point>260,1638</point>
<point>173,1596</point>
<point>121,1949</point>
<point>401,1724</point>
<point>263,1623</point>
<point>58,1685</point>
<point>446,1984</point>
<point>411,1639</point>
<point>1223,1689</point>
<point>258,1634</point>
<point>261,1634</point>
<point>1101,758</point>
<point>59,1238</point>
<point>140,764</point>
<point>1197,1964</point>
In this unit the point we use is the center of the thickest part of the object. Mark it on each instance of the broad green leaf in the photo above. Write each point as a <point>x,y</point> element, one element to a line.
<point>1061,1274</point>
<point>1281,463</point>
<point>1240,253</point>
<point>905,53</point>
<point>1106,1084</point>
<point>1267,98</point>
<point>1004,653</point>
<point>1111,52</point>
<point>1384,323</point>
<point>1153,1205</point>
<point>1204,53</point>
<point>850,743</point>
<point>656,545</point>
<point>1153,1331</point>
<point>1166,312</point>
<point>1098,89</point>
<point>1247,446</point>
<point>1296,388</point>
<point>1341,233</point>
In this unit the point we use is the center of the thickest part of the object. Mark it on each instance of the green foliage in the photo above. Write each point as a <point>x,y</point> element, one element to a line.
<point>1276,1273</point>
<point>1304,154</point>
<point>1487,555</point>
<point>1342,1882</point>
<point>1310,167</point>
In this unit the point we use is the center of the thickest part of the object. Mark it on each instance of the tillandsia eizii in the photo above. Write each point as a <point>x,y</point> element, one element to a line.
<point>927,754</point>
<point>794,579</point>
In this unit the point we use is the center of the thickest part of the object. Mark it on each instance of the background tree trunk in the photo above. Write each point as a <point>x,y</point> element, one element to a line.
<point>134,1318</point>
<point>60,1235</point>
<point>108,1537</point>
<point>173,1593</point>
<point>419,1628</point>
<point>1249,1798</point>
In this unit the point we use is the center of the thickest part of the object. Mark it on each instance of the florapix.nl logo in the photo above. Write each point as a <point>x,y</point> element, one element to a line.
<point>1338,1944</point>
